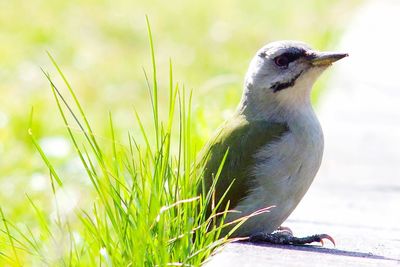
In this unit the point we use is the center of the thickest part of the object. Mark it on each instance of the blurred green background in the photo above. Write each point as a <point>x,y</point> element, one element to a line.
<point>102,47</point>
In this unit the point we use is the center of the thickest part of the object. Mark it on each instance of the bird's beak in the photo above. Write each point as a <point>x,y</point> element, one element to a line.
<point>325,58</point>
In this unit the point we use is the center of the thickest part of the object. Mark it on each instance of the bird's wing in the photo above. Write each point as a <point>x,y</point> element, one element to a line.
<point>243,138</point>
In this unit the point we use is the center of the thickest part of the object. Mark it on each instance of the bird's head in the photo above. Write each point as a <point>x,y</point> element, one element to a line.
<point>284,72</point>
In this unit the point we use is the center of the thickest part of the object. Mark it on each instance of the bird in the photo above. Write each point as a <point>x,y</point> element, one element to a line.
<point>272,146</point>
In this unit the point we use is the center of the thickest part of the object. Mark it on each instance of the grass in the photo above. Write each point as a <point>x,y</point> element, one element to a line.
<point>146,212</point>
<point>63,212</point>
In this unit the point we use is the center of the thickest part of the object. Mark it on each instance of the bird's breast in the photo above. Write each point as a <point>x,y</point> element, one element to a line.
<point>283,172</point>
<point>289,165</point>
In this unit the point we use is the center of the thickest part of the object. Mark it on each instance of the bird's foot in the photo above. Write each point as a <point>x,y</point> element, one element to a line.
<point>285,237</point>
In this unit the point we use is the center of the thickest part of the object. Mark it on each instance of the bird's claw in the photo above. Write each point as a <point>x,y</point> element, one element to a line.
<point>328,237</point>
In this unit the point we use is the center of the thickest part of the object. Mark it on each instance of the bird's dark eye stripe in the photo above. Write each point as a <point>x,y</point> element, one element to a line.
<point>294,55</point>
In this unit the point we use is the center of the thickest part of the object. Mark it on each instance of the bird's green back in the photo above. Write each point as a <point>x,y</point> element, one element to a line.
<point>243,138</point>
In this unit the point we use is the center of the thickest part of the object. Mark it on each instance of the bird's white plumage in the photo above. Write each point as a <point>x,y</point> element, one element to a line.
<point>284,167</point>
<point>284,173</point>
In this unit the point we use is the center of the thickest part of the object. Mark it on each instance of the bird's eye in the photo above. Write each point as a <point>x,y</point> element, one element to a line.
<point>281,61</point>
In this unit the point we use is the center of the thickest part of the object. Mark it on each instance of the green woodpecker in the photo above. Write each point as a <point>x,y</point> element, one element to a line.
<point>274,142</point>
